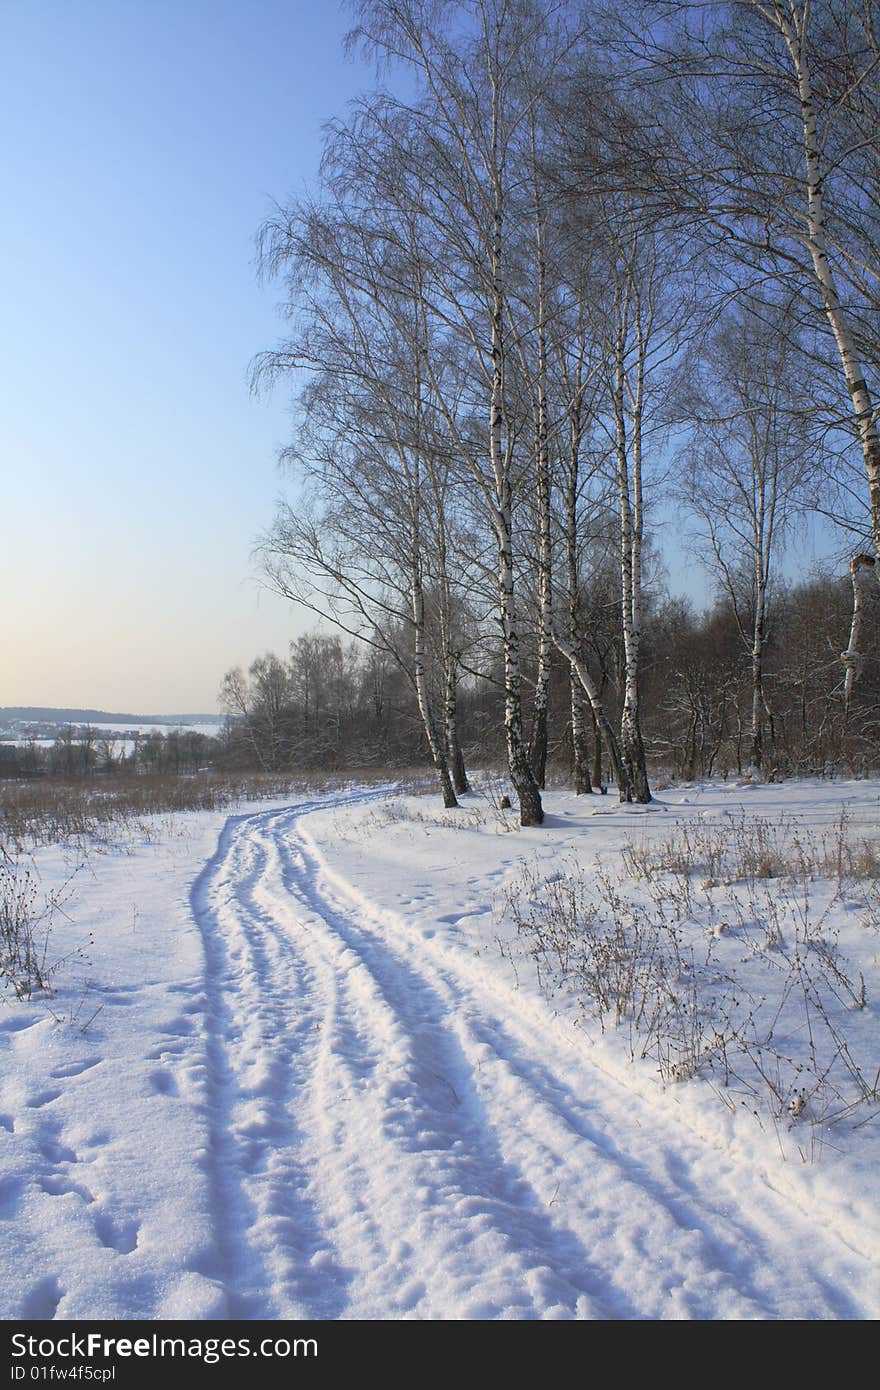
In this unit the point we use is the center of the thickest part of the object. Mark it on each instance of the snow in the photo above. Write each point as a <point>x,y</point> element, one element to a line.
<point>288,1072</point>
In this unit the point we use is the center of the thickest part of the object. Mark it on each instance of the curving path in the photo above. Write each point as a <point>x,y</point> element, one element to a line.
<point>394,1132</point>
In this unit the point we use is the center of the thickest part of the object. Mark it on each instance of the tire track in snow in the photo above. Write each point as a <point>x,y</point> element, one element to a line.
<point>438,1201</point>
<point>270,1254</point>
<point>388,1139</point>
<point>512,1105</point>
<point>397,1176</point>
<point>719,1242</point>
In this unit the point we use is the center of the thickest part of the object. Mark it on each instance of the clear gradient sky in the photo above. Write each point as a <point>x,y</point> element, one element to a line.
<point>143,142</point>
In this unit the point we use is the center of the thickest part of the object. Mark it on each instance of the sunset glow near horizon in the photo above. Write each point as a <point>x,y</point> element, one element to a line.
<point>144,146</point>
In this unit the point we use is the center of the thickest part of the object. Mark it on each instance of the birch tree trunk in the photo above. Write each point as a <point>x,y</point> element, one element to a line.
<point>580,742</point>
<point>609,737</point>
<point>500,456</point>
<point>450,660</point>
<point>793,22</point>
<point>579,738</point>
<point>538,747</point>
<point>454,754</point>
<point>519,767</point>
<point>629,493</point>
<point>758,680</point>
<point>860,567</point>
<point>435,743</point>
<point>413,475</point>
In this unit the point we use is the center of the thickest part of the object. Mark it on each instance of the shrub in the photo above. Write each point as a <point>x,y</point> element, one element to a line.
<point>26,919</point>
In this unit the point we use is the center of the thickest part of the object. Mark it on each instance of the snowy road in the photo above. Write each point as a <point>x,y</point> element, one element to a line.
<point>395,1131</point>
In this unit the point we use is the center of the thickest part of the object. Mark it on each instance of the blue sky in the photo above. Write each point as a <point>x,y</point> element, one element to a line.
<point>144,141</point>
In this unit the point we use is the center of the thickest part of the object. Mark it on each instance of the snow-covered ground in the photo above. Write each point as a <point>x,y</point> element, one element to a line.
<point>300,1066</point>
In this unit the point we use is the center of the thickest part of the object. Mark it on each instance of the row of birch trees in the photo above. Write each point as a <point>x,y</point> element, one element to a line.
<point>564,265</point>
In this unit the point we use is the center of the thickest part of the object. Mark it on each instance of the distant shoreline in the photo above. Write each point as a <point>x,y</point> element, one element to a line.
<point>42,714</point>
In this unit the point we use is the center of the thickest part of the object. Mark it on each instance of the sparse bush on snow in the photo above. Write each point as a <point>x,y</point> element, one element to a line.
<point>26,917</point>
<point>717,954</point>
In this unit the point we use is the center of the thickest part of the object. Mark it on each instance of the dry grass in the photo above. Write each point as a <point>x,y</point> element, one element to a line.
<point>108,810</point>
<point>750,849</point>
<point>629,964</point>
<point>26,918</point>
<point>717,954</point>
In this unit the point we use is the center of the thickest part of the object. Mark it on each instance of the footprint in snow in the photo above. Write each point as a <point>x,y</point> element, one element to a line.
<point>41,1302</point>
<point>18,1025</point>
<point>10,1197</point>
<point>57,1185</point>
<point>163,1050</point>
<point>57,1153</point>
<point>42,1098</point>
<point>121,1236</point>
<point>163,1083</point>
<point>96,1140</point>
<point>179,1027</point>
<point>68,1069</point>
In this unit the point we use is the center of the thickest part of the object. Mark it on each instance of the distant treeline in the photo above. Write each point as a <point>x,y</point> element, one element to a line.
<point>80,751</point>
<point>334,704</point>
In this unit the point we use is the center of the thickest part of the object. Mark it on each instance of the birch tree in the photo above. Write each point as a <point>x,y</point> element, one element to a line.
<point>365,443</point>
<point>575,366</point>
<point>642,318</point>
<point>769,138</point>
<point>584,512</point>
<point>750,474</point>
<point>537,306</point>
<point>796,24</point>
<point>630,334</point>
<point>468,127</point>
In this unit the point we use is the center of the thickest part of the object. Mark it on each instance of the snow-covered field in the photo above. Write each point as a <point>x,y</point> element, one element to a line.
<point>300,1065</point>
